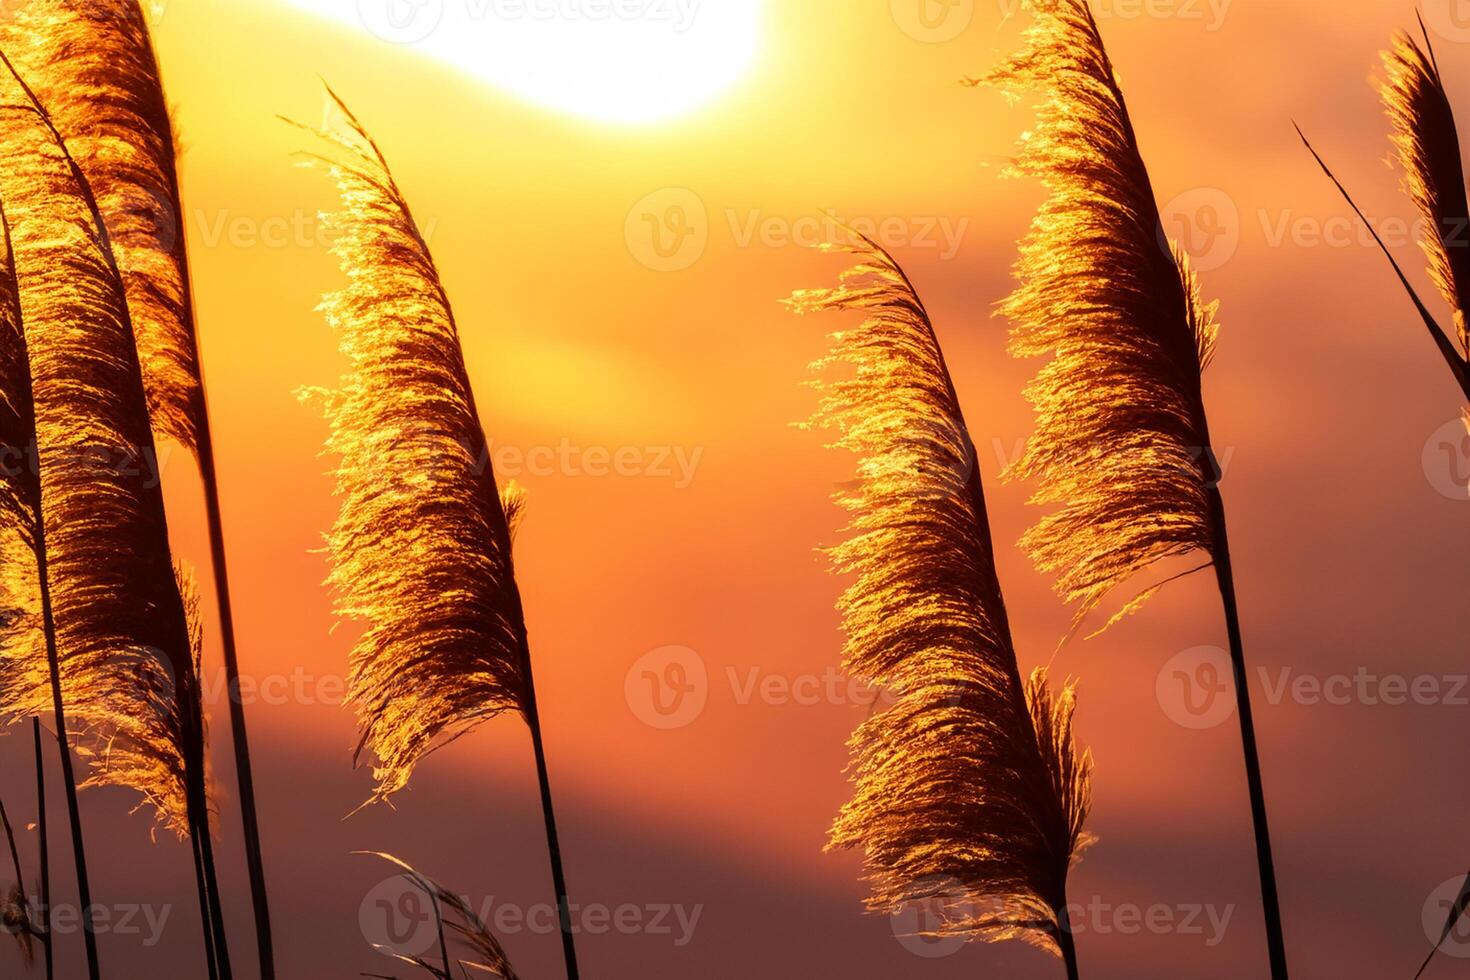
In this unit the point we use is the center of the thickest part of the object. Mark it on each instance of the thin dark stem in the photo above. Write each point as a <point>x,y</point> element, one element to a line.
<point>1068,946</point>
<point>501,530</point>
<point>198,805</point>
<point>239,736</point>
<point>20,875</point>
<point>68,775</point>
<point>1275,939</point>
<point>553,843</point>
<point>45,840</point>
<point>204,914</point>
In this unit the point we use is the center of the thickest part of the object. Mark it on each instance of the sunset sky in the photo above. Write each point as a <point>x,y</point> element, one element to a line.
<point>616,209</point>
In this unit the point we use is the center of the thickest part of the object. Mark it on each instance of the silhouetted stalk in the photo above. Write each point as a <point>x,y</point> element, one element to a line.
<point>553,843</point>
<point>68,774</point>
<point>218,942</point>
<point>239,736</point>
<point>1224,573</point>
<point>209,954</point>
<point>45,841</point>
<point>1067,944</point>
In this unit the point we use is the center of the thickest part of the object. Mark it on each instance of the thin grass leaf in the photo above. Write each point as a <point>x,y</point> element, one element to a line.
<point>968,791</point>
<point>464,925</point>
<point>15,908</point>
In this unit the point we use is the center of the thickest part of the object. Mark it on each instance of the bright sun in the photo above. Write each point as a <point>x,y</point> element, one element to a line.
<point>623,61</point>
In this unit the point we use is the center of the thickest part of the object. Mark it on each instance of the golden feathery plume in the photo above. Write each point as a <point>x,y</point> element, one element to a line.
<point>1121,439</point>
<point>466,927</point>
<point>126,627</point>
<point>421,548</point>
<point>92,64</point>
<point>24,666</point>
<point>969,792</point>
<point>29,659</point>
<point>1427,145</point>
<point>129,669</point>
<point>1122,443</point>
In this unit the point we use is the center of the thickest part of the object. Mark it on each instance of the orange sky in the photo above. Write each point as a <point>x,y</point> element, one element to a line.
<point>1324,395</point>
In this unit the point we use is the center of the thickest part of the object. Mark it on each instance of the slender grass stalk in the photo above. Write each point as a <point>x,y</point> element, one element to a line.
<point>44,835</point>
<point>1122,439</point>
<point>96,68</point>
<point>548,813</point>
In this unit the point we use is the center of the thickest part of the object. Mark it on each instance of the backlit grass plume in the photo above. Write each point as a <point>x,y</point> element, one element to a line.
<point>92,63</point>
<point>1426,145</point>
<point>127,647</point>
<point>421,549</point>
<point>1121,444</point>
<point>969,793</point>
<point>30,663</point>
<point>465,930</point>
<point>1120,424</point>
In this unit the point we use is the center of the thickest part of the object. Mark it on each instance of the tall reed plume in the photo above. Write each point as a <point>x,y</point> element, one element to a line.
<point>30,665</point>
<point>128,647</point>
<point>1426,145</point>
<point>969,792</point>
<point>466,929</point>
<point>1121,443</point>
<point>421,550</point>
<point>93,65</point>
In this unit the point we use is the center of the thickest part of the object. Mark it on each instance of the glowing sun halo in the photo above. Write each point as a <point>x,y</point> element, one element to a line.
<point>622,61</point>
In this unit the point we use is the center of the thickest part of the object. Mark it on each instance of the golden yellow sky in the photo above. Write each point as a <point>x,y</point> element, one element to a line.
<point>584,333</point>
